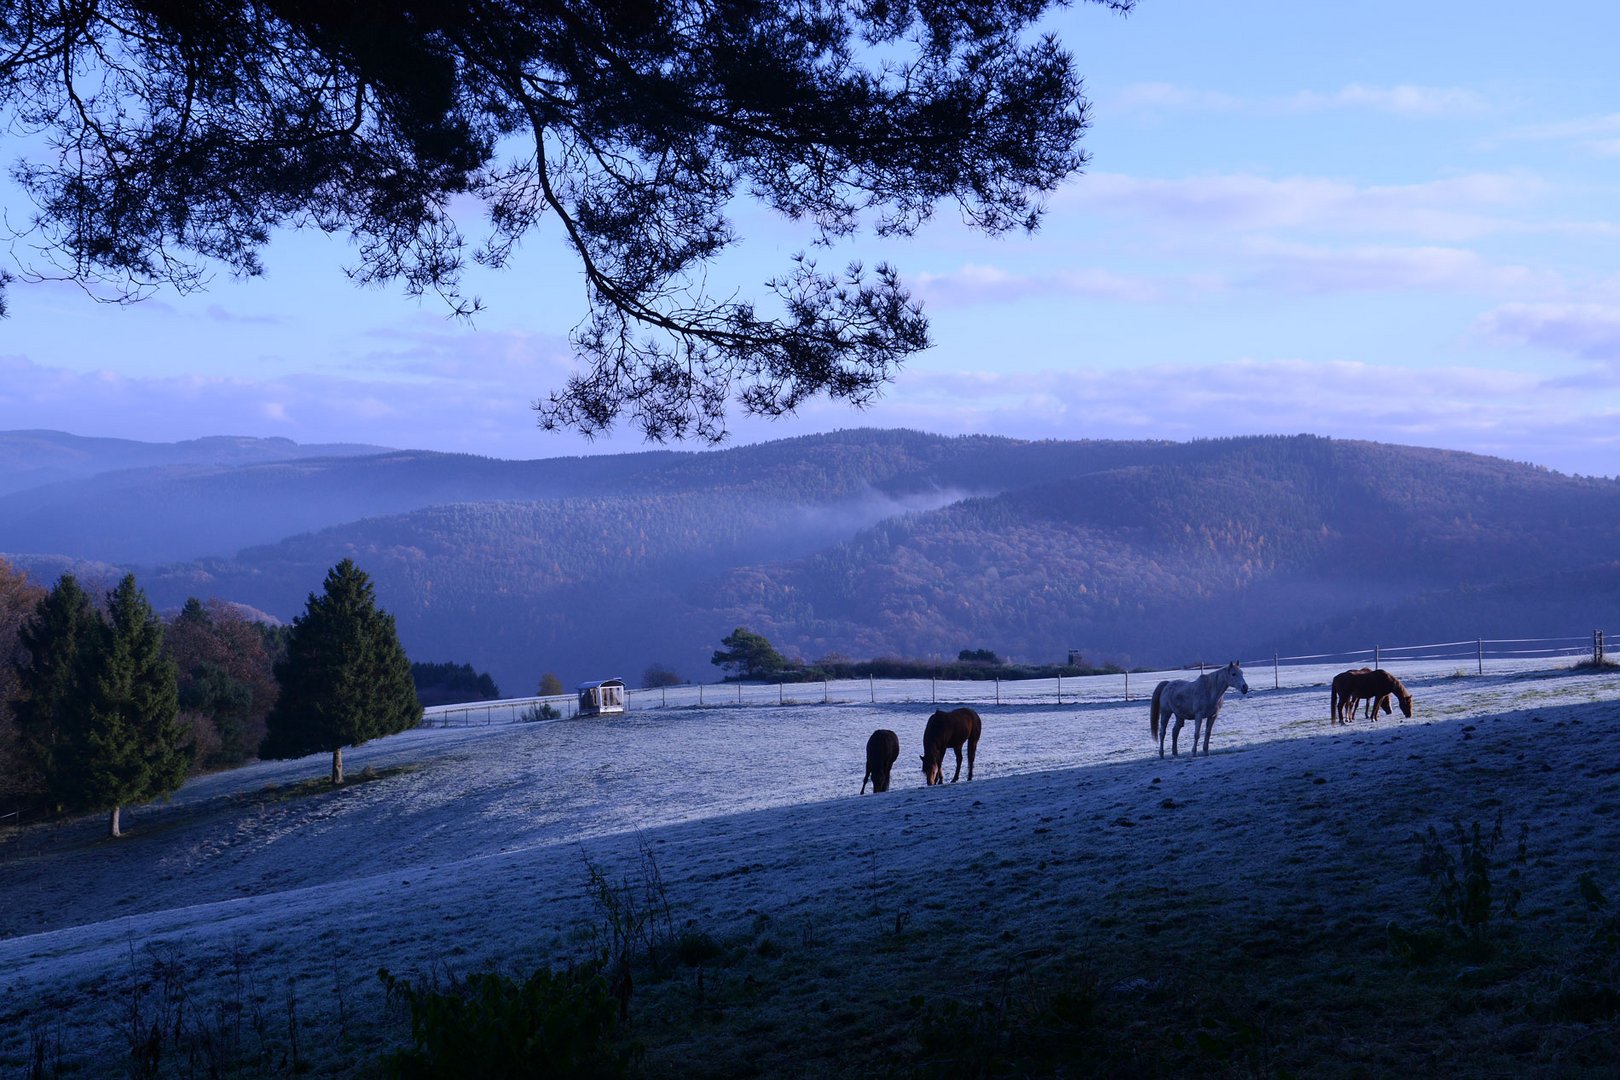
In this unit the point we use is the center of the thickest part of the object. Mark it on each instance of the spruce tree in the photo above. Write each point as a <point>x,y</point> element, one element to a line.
<point>50,698</point>
<point>345,679</point>
<point>130,746</point>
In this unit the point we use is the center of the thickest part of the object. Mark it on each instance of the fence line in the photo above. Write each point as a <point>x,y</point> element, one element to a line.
<point>1439,659</point>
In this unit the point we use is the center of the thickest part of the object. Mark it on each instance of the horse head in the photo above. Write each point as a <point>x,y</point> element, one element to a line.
<point>1406,705</point>
<point>933,772</point>
<point>1234,677</point>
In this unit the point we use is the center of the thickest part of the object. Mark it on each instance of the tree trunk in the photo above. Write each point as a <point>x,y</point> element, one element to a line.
<point>337,766</point>
<point>112,824</point>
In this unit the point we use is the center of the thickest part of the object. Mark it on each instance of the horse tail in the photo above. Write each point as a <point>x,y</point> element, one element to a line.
<point>1333,702</point>
<point>1153,713</point>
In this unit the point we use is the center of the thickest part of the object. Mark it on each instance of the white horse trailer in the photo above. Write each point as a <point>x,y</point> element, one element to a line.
<point>601,696</point>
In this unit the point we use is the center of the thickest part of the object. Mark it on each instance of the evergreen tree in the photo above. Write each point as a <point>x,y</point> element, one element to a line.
<point>19,777</point>
<point>48,685</point>
<point>750,654</point>
<point>129,746</point>
<point>345,679</point>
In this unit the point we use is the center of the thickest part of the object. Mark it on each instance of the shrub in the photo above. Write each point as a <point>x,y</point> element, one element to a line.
<point>1463,899</point>
<point>553,1024</point>
<point>540,710</point>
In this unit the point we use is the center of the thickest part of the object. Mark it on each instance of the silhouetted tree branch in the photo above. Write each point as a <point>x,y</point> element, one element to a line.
<point>165,136</point>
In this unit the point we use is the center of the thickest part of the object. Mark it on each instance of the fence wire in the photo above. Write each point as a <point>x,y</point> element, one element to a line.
<point>1479,656</point>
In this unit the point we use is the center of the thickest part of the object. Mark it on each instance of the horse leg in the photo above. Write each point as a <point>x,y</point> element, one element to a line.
<point>1175,736</point>
<point>1209,726</point>
<point>958,749</point>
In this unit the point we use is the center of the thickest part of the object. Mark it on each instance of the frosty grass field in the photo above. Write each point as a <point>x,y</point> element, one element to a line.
<point>471,851</point>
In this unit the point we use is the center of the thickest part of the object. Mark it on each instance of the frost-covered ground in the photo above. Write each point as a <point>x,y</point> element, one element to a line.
<point>475,854</point>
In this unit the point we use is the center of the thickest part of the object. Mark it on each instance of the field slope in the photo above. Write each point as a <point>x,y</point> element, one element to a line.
<point>1081,908</point>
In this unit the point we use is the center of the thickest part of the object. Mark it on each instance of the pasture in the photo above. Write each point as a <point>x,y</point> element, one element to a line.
<point>1082,907</point>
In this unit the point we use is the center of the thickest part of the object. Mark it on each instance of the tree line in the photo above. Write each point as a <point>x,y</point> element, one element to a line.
<point>749,656</point>
<point>103,705</point>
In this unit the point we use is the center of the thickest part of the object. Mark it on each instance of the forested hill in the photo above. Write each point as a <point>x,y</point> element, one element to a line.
<point>868,543</point>
<point>30,459</point>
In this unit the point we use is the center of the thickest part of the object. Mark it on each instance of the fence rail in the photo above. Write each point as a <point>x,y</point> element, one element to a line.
<point>1499,655</point>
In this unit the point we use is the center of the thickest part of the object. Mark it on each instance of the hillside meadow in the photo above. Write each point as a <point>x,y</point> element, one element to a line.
<point>1080,908</point>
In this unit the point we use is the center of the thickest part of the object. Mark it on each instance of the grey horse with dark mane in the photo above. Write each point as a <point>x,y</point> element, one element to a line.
<point>1198,700</point>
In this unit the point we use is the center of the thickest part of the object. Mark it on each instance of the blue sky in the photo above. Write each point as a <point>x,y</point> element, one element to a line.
<point>1377,220</point>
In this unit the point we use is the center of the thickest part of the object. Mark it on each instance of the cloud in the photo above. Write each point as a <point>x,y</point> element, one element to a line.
<point>1517,415</point>
<point>1448,210</point>
<point>215,313</point>
<point>1590,331</point>
<point>979,284</point>
<point>1598,135</point>
<point>1307,269</point>
<point>1404,99</point>
<point>487,417</point>
<point>1162,95</point>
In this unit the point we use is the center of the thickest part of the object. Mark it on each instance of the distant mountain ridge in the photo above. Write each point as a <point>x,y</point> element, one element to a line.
<point>33,458</point>
<point>868,543</point>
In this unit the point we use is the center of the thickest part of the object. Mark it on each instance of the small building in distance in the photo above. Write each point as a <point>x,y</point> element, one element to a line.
<point>601,696</point>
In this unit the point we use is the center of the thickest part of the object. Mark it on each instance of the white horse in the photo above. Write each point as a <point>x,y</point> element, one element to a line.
<point>1197,700</point>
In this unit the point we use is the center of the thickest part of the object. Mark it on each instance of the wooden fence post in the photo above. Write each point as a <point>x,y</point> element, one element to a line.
<point>1276,674</point>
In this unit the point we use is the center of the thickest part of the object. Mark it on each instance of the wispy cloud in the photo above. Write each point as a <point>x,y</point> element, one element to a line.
<point>487,416</point>
<point>1513,414</point>
<point>1152,96</point>
<point>1590,331</point>
<point>1313,269</point>
<point>1404,99</point>
<point>1450,209</point>
<point>976,283</point>
<point>1598,135</point>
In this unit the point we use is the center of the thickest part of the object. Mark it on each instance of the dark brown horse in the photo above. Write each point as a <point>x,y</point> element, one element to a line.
<point>1374,685</point>
<point>882,749</point>
<point>949,729</point>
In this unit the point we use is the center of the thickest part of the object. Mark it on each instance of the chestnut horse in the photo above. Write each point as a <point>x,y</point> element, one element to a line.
<point>882,749</point>
<point>1373,684</point>
<point>1198,700</point>
<point>949,729</point>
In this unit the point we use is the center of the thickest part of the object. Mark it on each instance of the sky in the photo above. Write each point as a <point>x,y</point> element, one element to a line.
<point>1373,220</point>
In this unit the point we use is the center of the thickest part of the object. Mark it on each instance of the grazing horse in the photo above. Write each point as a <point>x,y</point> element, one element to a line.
<point>1375,685</point>
<point>1198,700</point>
<point>882,749</point>
<point>949,729</point>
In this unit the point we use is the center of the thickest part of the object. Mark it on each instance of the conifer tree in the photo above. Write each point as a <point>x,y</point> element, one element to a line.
<point>49,689</point>
<point>345,679</point>
<point>129,746</point>
<point>750,654</point>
